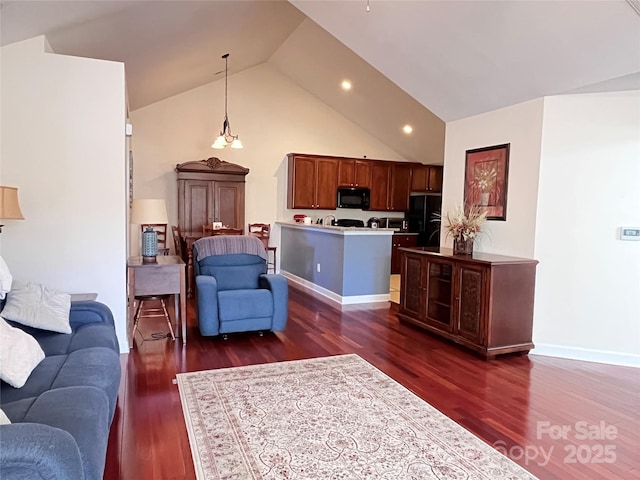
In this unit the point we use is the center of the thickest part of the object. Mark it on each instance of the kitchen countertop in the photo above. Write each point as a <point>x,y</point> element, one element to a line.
<point>339,230</point>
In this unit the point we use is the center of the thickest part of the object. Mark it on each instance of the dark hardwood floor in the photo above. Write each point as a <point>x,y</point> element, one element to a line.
<point>517,403</point>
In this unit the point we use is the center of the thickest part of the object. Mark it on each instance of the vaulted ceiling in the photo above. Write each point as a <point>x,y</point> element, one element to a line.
<point>418,62</point>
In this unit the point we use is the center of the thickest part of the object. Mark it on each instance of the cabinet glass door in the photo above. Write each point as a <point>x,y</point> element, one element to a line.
<point>439,285</point>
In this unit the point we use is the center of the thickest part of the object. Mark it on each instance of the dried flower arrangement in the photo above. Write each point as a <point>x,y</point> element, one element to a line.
<point>465,224</point>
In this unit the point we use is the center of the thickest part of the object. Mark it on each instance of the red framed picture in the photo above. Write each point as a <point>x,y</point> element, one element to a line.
<point>485,180</point>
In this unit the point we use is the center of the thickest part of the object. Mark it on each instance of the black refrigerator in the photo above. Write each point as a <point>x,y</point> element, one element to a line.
<point>422,208</point>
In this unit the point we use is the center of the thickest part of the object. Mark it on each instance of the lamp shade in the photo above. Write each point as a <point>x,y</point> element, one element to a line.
<point>149,210</point>
<point>9,205</point>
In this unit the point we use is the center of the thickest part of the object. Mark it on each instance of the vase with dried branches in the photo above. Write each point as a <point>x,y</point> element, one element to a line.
<point>464,225</point>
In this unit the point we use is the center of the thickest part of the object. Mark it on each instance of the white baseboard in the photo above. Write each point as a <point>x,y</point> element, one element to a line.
<point>587,355</point>
<point>324,294</point>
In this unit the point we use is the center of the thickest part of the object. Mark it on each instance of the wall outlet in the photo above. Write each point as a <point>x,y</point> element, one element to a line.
<point>318,267</point>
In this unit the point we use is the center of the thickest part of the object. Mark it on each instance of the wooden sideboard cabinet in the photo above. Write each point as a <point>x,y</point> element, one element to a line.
<point>483,301</point>
<point>209,191</point>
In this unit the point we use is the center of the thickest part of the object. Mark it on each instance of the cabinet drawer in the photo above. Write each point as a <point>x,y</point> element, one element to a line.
<point>157,280</point>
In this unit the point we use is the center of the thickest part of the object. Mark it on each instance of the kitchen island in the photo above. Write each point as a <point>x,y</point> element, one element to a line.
<point>347,265</point>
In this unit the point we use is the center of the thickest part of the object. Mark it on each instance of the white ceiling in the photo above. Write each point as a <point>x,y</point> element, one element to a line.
<point>462,58</point>
<point>452,58</point>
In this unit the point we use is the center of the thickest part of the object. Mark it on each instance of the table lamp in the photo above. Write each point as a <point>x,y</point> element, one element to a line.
<point>146,211</point>
<point>9,205</point>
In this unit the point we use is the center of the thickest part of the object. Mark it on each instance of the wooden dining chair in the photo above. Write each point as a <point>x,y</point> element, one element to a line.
<point>178,242</point>
<point>263,232</point>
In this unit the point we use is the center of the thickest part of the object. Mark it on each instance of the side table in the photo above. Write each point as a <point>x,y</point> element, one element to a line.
<point>165,277</point>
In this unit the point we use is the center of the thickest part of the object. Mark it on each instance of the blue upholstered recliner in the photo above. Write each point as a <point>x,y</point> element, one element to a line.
<point>234,292</point>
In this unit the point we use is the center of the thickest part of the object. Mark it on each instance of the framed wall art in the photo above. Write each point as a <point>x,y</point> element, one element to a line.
<point>485,180</point>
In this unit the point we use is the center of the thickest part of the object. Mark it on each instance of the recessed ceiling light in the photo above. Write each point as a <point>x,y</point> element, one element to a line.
<point>346,85</point>
<point>407,129</point>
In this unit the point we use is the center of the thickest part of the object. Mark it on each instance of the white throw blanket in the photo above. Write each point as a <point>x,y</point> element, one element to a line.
<point>228,244</point>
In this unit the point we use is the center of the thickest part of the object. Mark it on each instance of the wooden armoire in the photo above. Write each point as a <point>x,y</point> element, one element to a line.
<point>210,190</point>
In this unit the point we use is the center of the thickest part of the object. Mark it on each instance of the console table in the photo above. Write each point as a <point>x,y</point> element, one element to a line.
<point>166,277</point>
<point>482,301</point>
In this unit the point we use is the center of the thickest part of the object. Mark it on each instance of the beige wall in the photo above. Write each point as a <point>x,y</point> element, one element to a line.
<point>521,126</point>
<point>573,174</point>
<point>63,146</point>
<point>588,279</point>
<point>273,117</point>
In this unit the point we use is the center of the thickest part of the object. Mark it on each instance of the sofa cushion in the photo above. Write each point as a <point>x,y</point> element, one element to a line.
<point>96,367</point>
<point>41,379</point>
<point>18,409</point>
<point>243,304</point>
<point>37,306</point>
<point>19,355</point>
<point>83,336</point>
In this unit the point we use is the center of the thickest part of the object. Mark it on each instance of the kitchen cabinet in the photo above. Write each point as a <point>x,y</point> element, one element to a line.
<point>354,173</point>
<point>426,178</point>
<point>312,182</point>
<point>400,187</point>
<point>209,191</point>
<point>481,301</point>
<point>400,240</point>
<point>390,186</point>
<point>380,179</point>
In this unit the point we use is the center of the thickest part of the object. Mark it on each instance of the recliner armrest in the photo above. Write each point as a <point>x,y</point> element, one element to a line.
<point>280,290</point>
<point>207,311</point>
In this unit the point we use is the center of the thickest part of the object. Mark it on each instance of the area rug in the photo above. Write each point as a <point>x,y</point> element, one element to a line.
<point>326,418</point>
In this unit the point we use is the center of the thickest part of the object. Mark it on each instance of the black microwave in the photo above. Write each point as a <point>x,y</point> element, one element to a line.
<point>354,198</point>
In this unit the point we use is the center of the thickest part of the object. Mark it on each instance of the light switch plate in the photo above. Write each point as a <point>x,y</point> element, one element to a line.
<point>630,233</point>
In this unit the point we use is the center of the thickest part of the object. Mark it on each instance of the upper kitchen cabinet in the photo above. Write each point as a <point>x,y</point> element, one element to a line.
<point>400,187</point>
<point>380,180</point>
<point>209,191</point>
<point>354,173</point>
<point>426,178</point>
<point>390,186</point>
<point>312,182</point>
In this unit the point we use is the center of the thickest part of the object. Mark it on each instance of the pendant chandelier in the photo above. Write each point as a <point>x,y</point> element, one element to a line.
<point>226,137</point>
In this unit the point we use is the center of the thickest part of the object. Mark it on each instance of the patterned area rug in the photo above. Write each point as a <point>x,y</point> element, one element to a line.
<point>327,419</point>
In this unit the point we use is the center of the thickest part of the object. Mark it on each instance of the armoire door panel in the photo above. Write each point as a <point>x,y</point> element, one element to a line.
<point>198,203</point>
<point>227,201</point>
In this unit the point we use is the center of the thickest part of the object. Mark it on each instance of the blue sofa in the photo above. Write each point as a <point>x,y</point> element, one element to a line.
<point>234,292</point>
<point>60,419</point>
